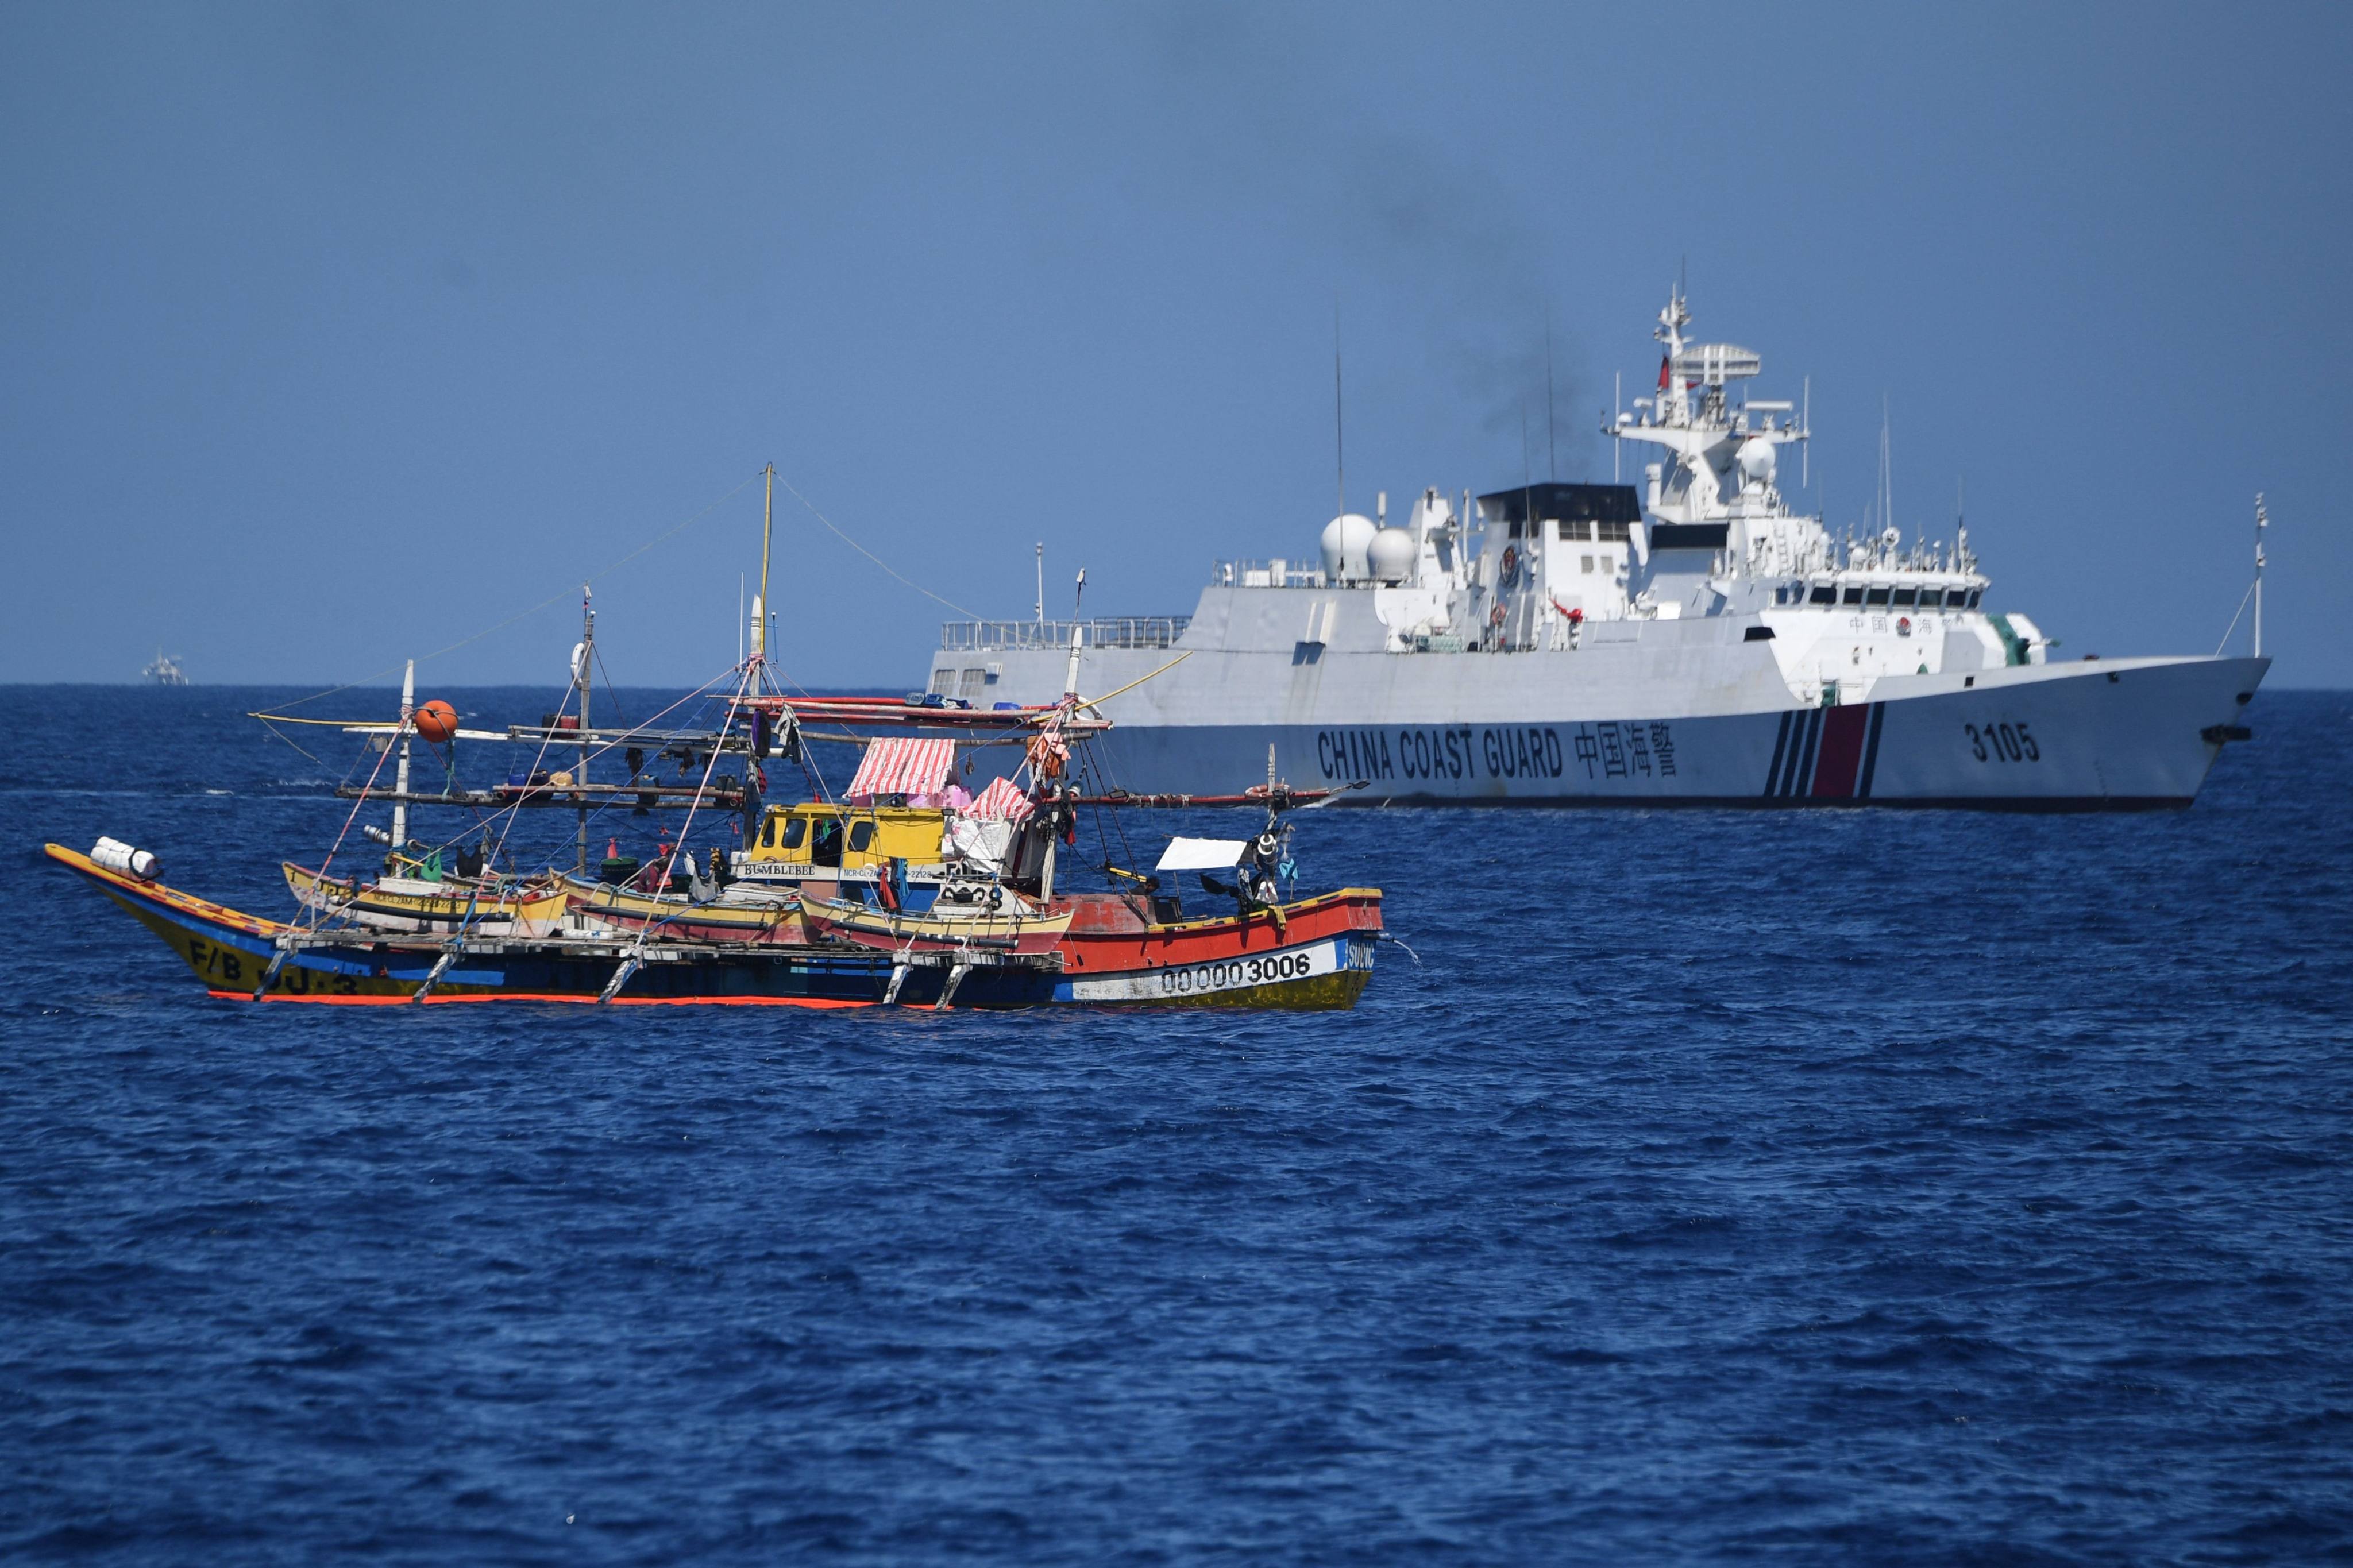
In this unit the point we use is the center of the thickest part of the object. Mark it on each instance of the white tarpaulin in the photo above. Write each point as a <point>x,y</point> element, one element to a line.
<point>1202,853</point>
<point>971,839</point>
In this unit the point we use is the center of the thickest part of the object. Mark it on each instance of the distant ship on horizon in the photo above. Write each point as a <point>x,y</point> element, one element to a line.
<point>164,670</point>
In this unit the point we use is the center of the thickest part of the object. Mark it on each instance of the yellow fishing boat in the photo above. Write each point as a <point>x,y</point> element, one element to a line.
<point>486,905</point>
<point>741,914</point>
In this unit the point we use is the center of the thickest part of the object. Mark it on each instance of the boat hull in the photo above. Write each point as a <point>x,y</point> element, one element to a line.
<point>1032,935</point>
<point>776,924</point>
<point>1536,729</point>
<point>242,957</point>
<point>1319,954</point>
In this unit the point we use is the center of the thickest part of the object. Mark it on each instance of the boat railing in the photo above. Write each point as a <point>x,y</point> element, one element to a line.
<point>1104,631</point>
<point>1275,574</point>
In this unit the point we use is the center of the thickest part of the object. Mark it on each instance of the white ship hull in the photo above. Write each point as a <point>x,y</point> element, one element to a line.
<point>1695,642</point>
<point>1566,728</point>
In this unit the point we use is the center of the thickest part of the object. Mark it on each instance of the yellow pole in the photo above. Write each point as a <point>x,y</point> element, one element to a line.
<point>760,609</point>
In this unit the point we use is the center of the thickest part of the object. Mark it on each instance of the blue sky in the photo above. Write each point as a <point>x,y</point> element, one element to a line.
<point>339,334</point>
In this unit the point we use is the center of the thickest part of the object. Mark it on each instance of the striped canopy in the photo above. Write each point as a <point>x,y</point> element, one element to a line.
<point>1000,800</point>
<point>903,765</point>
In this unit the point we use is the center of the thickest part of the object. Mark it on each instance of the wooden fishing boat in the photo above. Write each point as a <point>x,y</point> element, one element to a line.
<point>489,905</point>
<point>906,889</point>
<point>1317,959</point>
<point>1313,953</point>
<point>742,912</point>
<point>1014,926</point>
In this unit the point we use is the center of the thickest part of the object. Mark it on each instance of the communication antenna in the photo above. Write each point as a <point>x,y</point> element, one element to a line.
<point>1041,581</point>
<point>1552,446</point>
<point>1617,402</point>
<point>1806,436</point>
<point>1339,420</point>
<point>1886,470</point>
<point>2263,520</point>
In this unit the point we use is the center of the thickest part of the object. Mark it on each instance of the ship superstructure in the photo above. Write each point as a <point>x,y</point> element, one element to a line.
<point>1693,640</point>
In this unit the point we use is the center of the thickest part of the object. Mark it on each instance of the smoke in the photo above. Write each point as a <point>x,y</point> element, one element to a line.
<point>1450,252</point>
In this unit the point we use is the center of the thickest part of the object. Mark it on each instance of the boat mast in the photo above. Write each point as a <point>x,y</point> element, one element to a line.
<point>760,605</point>
<point>400,773</point>
<point>584,660</point>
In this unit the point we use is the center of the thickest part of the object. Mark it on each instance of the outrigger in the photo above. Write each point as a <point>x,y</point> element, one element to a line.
<point>908,889</point>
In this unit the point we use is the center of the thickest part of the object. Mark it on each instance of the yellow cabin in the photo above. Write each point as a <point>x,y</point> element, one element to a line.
<point>815,838</point>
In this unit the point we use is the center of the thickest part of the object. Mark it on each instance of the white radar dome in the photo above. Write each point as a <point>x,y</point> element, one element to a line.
<point>1390,555</point>
<point>1347,544</point>
<point>1757,460</point>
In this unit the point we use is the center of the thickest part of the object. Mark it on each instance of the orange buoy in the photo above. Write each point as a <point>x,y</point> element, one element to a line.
<point>437,721</point>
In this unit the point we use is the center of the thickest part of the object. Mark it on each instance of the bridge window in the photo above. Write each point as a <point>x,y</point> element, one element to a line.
<point>1824,594</point>
<point>1615,533</point>
<point>861,833</point>
<point>1906,595</point>
<point>1973,597</point>
<point>768,834</point>
<point>795,831</point>
<point>1876,596</point>
<point>1516,528</point>
<point>1573,532</point>
<point>1854,596</point>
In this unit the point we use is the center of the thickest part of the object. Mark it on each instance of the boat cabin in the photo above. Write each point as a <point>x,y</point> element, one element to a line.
<point>819,836</point>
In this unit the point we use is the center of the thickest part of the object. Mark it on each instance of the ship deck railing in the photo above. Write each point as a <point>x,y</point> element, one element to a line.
<point>1103,631</point>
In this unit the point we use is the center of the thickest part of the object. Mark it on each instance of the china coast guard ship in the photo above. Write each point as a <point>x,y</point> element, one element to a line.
<point>1696,642</point>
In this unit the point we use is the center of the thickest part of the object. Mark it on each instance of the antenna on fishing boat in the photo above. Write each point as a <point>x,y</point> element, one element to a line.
<point>760,605</point>
<point>584,660</point>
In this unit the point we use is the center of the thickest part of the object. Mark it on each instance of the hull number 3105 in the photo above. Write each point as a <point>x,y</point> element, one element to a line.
<point>2003,742</point>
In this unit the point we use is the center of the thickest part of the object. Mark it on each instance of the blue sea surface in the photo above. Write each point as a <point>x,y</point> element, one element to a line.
<point>1819,1188</point>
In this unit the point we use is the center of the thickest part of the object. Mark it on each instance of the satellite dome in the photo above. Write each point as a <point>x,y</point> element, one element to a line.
<point>1347,543</point>
<point>1391,554</point>
<point>1757,460</point>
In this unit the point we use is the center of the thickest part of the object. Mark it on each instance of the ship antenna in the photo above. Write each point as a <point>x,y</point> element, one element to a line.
<point>2263,520</point>
<point>1616,403</point>
<point>1339,419</point>
<point>1805,437</point>
<point>1552,446</point>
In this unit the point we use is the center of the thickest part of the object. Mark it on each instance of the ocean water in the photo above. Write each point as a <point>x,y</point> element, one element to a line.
<point>1808,1188</point>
